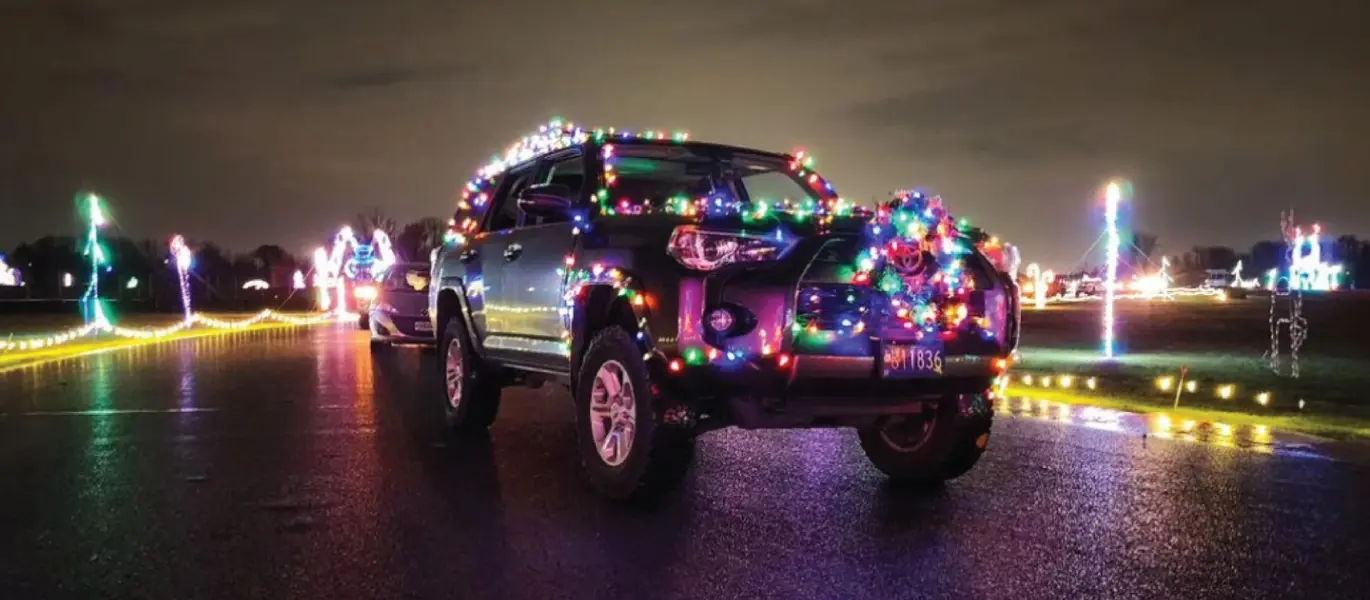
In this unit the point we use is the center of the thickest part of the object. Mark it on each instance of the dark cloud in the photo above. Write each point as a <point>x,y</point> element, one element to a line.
<point>257,120</point>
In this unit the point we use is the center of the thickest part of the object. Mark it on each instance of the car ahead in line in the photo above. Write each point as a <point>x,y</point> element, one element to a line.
<point>677,287</point>
<point>399,311</point>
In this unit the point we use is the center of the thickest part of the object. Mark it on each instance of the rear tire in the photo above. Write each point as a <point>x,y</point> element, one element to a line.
<point>654,458</point>
<point>929,448</point>
<point>471,390</point>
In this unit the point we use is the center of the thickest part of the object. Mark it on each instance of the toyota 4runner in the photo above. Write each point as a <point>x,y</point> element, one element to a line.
<point>676,287</point>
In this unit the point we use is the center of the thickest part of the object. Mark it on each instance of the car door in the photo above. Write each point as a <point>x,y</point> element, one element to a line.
<point>492,296</point>
<point>533,261</point>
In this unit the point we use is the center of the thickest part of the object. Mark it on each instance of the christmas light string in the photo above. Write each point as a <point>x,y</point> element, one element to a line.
<point>1292,294</point>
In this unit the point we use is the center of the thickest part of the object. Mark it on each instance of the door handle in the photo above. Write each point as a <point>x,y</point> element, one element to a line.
<point>468,255</point>
<point>512,251</point>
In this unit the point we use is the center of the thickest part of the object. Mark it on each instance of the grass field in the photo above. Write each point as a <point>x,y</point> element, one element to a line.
<point>1221,344</point>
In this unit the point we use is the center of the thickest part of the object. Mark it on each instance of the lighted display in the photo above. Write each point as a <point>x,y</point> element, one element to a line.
<point>182,259</point>
<point>1113,195</point>
<point>9,276</point>
<point>92,308</point>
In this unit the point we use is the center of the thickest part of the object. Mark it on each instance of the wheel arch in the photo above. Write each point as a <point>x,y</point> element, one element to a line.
<point>598,306</point>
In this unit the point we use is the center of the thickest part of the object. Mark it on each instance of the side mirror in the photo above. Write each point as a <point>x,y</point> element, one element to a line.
<point>545,200</point>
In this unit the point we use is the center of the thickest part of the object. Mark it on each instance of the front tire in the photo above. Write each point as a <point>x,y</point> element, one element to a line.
<point>928,448</point>
<point>625,449</point>
<point>471,390</point>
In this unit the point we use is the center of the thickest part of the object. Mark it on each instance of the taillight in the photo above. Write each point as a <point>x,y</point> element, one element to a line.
<point>708,250</point>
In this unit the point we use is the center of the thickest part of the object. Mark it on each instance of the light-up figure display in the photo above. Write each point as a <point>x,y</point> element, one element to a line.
<point>9,276</point>
<point>350,263</point>
<point>1307,271</point>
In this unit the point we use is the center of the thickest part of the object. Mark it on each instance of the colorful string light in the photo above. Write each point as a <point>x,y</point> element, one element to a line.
<point>40,342</point>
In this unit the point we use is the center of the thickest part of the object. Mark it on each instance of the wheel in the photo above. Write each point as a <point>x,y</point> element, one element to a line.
<point>471,389</point>
<point>626,451</point>
<point>933,446</point>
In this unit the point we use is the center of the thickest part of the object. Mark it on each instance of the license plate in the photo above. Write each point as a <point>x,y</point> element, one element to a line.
<point>423,326</point>
<point>907,360</point>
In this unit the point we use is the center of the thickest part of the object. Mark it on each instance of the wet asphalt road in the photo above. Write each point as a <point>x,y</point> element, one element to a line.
<point>293,464</point>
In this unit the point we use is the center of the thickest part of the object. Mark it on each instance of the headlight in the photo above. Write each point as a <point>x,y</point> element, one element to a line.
<point>365,292</point>
<point>708,250</point>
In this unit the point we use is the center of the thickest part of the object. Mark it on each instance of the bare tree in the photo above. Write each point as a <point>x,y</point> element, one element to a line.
<point>372,219</point>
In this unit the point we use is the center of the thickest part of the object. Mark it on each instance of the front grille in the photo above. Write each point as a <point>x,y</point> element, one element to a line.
<point>837,317</point>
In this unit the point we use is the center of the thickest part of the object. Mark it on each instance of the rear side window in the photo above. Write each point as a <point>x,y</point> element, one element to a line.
<point>407,279</point>
<point>505,212</point>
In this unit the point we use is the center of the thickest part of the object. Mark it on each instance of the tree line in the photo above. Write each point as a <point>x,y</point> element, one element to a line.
<point>54,266</point>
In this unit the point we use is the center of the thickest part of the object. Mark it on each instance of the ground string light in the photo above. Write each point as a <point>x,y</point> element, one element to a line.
<point>99,323</point>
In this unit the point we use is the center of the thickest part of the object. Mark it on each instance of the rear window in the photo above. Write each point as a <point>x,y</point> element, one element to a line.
<point>407,279</point>
<point>659,173</point>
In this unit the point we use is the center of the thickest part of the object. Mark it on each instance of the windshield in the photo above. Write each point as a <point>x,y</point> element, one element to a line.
<point>655,174</point>
<point>407,278</point>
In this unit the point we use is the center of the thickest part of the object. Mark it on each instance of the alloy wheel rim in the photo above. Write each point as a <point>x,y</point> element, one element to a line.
<point>908,433</point>
<point>453,373</point>
<point>613,413</point>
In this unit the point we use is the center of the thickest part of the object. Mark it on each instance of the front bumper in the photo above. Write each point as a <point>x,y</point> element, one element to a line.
<point>395,328</point>
<point>823,391</point>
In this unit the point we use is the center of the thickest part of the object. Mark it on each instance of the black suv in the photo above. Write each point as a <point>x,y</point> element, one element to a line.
<point>677,287</point>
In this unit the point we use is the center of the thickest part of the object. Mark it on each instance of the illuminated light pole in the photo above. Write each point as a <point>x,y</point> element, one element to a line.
<point>90,299</point>
<point>180,253</point>
<point>1113,195</point>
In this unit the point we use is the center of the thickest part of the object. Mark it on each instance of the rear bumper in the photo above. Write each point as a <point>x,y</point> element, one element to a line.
<point>392,328</point>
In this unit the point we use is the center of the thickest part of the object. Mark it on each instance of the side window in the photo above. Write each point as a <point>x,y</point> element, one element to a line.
<point>505,212</point>
<point>568,171</point>
<point>774,186</point>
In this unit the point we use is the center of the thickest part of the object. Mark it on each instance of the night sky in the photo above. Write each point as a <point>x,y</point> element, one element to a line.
<point>266,121</point>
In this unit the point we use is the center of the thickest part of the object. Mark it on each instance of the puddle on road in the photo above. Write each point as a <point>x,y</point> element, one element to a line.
<point>1258,438</point>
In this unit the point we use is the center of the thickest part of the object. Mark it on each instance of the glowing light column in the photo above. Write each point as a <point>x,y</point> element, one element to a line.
<point>92,310</point>
<point>180,253</point>
<point>1113,194</point>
